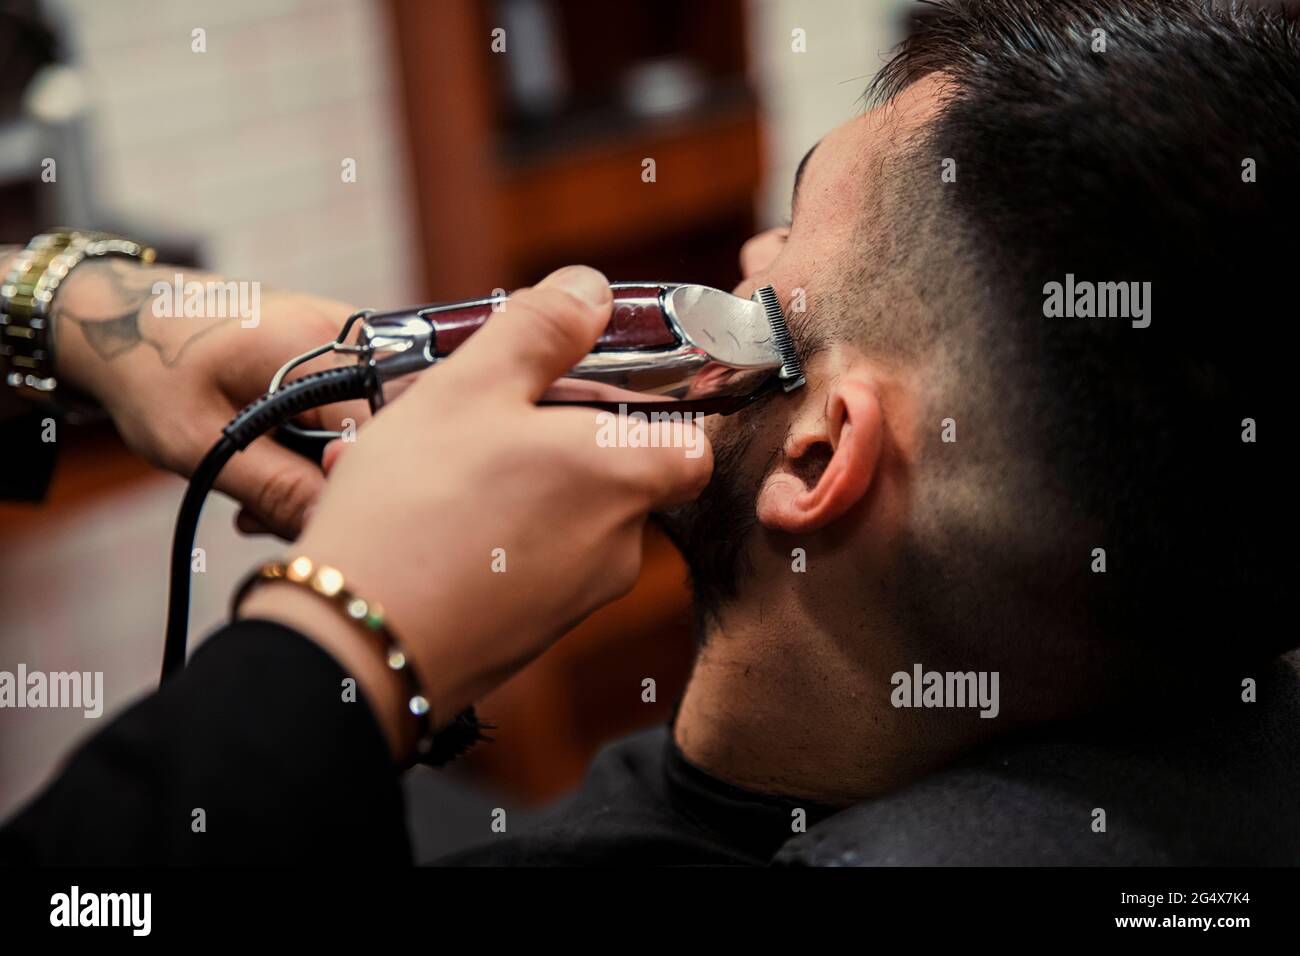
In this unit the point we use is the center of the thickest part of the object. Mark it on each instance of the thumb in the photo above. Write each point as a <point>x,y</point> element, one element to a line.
<point>275,485</point>
<point>540,334</point>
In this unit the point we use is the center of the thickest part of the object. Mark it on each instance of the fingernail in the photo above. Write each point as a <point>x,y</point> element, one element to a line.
<point>581,282</point>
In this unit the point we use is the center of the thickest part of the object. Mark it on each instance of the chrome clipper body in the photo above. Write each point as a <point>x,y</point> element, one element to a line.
<point>668,346</point>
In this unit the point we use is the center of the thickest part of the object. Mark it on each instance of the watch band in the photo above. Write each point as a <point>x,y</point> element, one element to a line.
<point>27,345</point>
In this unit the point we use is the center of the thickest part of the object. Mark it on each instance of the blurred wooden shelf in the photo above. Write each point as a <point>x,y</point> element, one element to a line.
<point>499,202</point>
<point>595,196</point>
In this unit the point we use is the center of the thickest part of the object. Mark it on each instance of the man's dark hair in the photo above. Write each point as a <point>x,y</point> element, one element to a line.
<point>1116,141</point>
<point>1133,141</point>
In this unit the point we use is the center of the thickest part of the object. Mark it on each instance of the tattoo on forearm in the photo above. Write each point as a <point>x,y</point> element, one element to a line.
<point>126,321</point>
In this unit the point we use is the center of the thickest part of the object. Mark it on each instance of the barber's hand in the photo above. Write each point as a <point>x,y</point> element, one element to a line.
<point>172,382</point>
<point>464,471</point>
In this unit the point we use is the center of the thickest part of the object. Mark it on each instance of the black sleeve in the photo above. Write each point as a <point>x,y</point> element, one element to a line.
<point>255,733</point>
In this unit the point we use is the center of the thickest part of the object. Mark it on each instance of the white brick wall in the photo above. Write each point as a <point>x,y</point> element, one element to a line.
<point>804,95</point>
<point>241,146</point>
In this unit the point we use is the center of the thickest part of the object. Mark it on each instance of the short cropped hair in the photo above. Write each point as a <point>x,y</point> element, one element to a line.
<point>1134,141</point>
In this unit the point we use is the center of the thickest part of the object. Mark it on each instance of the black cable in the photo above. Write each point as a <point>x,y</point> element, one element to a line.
<point>272,409</point>
<point>269,411</point>
<point>187,526</point>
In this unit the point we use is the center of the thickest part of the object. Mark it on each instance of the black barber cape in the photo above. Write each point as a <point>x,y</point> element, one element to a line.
<point>254,734</point>
<point>644,804</point>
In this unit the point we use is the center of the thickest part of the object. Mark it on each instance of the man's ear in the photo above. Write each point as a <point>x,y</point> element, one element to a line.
<point>830,459</point>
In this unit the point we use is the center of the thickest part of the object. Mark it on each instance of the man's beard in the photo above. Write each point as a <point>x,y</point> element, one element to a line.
<point>712,532</point>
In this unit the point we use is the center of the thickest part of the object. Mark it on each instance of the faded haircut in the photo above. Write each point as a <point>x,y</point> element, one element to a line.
<point>1115,141</point>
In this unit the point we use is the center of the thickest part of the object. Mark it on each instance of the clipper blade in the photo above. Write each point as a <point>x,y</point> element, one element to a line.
<point>791,373</point>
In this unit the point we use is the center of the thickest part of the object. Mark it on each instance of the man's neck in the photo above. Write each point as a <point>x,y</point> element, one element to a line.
<point>778,708</point>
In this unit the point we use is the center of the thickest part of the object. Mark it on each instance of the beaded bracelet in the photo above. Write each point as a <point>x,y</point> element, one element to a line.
<point>328,582</point>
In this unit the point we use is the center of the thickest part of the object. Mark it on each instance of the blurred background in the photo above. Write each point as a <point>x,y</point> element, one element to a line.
<point>476,168</point>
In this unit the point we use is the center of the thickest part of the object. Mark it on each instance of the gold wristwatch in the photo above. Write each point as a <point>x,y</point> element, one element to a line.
<point>26,299</point>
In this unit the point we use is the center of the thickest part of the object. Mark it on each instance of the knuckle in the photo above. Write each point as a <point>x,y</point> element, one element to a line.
<point>180,448</point>
<point>669,475</point>
<point>626,566</point>
<point>282,498</point>
<point>333,452</point>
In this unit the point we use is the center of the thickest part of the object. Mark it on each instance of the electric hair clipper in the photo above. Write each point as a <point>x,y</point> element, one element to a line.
<point>667,347</point>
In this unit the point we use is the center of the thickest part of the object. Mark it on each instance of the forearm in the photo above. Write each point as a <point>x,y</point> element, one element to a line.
<point>113,314</point>
<point>105,322</point>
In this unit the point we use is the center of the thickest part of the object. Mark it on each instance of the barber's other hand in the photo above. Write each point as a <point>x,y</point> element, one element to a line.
<point>464,473</point>
<point>171,382</point>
